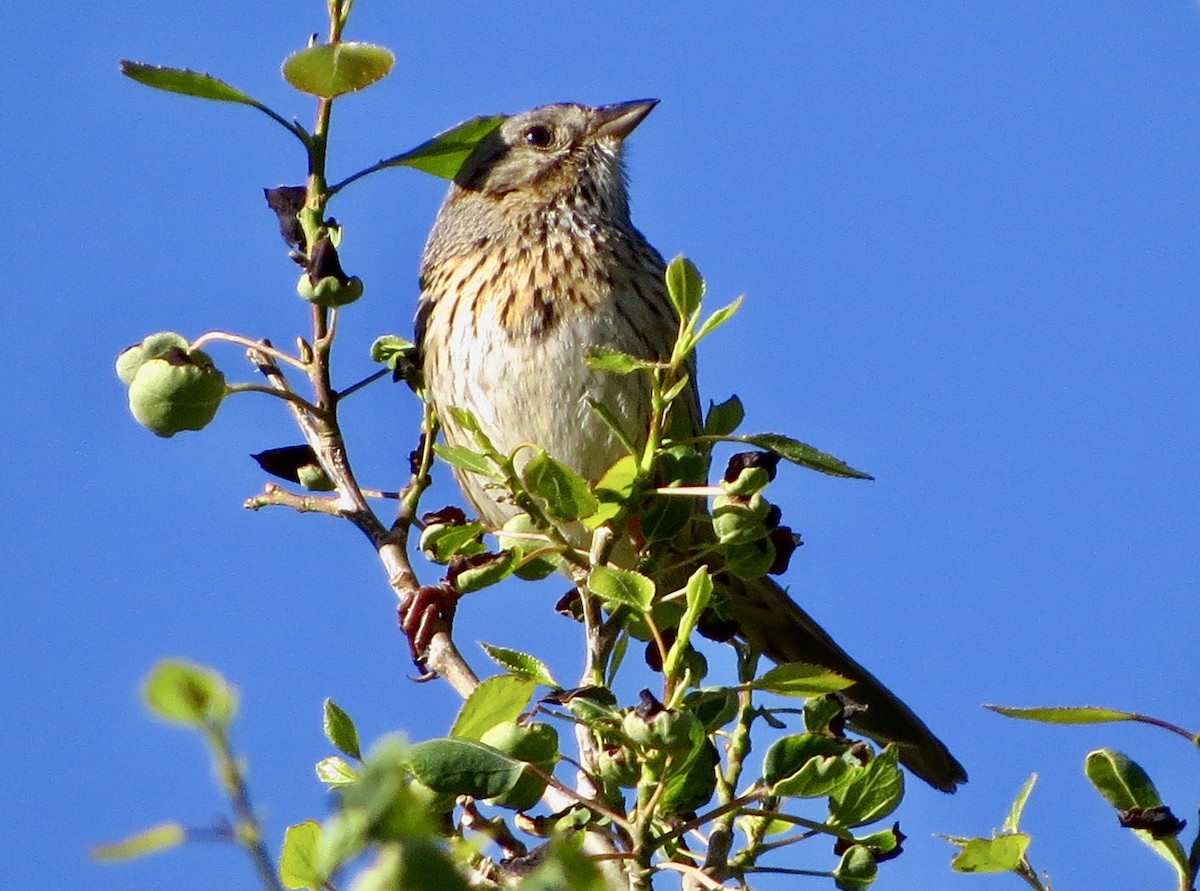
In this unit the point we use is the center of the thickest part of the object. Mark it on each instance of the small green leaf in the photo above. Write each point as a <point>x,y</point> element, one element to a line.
<point>871,793</point>
<point>148,841</point>
<point>389,349</point>
<point>856,870</point>
<point>189,695</point>
<point>806,765</point>
<point>696,596</point>
<point>724,418</point>
<point>1012,822</point>
<point>466,459</point>
<point>803,454</point>
<point>463,767</point>
<point>685,287</point>
<point>335,773</point>
<point>615,361</point>
<point>298,859</point>
<point>463,418</point>
<point>334,69</point>
<point>340,730</point>
<point>622,587</point>
<point>1004,853</point>
<point>493,702</point>
<point>716,320</point>
<point>798,679</point>
<point>445,154</point>
<point>521,665</point>
<point>188,83</point>
<point>1120,780</point>
<point>1086,714</point>
<point>690,786</point>
<point>613,490</point>
<point>565,492</point>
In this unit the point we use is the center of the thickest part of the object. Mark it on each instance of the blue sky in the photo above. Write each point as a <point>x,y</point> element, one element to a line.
<point>967,234</point>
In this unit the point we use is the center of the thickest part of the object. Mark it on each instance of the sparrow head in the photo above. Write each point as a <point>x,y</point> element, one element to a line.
<point>554,152</point>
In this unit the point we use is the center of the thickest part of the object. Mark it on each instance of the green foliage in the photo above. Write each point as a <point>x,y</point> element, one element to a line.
<point>656,573</point>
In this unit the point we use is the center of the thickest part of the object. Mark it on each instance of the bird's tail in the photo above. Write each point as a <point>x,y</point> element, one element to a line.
<point>773,622</point>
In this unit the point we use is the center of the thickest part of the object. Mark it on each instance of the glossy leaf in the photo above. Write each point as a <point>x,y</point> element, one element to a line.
<point>798,679</point>
<point>334,69</point>
<point>1086,714</point>
<point>493,702</point>
<point>622,587</point>
<point>185,82</point>
<point>685,287</point>
<point>716,320</point>
<point>805,455</point>
<point>340,730</point>
<point>444,154</point>
<point>464,767</point>
<point>1120,780</point>
<point>696,596</point>
<point>870,794</point>
<point>565,492</point>
<point>724,418</point>
<point>466,459</point>
<point>521,665</point>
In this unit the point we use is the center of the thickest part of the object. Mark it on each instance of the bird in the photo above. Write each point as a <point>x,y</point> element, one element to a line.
<point>531,262</point>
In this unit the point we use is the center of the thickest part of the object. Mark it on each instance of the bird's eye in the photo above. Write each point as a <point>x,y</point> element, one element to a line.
<point>538,136</point>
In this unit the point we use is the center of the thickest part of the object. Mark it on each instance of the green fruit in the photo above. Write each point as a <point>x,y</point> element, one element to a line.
<point>666,731</point>
<point>618,767</point>
<point>737,520</point>
<point>329,291</point>
<point>749,560</point>
<point>151,347</point>
<point>176,391</point>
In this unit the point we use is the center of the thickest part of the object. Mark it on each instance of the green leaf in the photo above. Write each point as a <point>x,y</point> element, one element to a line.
<point>607,359</point>
<point>1126,786</point>
<point>334,69</point>
<point>463,418</point>
<point>716,320</point>
<point>806,765</point>
<point>1012,822</point>
<point>479,575</point>
<point>565,866</point>
<point>340,730</point>
<point>622,586</point>
<point>565,492</point>
<point>1004,853</point>
<point>613,490</point>
<point>871,793</point>
<point>188,83</point>
<point>493,702</point>
<point>1120,780</point>
<point>724,418</point>
<point>856,870</point>
<point>521,665</point>
<point>464,767</point>
<point>690,786</point>
<point>613,423</point>
<point>298,859</point>
<point>466,459</point>
<point>148,841</point>
<point>1086,714</point>
<point>696,596</point>
<point>389,349</point>
<point>803,454</point>
<point>445,154</point>
<point>685,287</point>
<point>798,679</point>
<point>189,695</point>
<point>335,773</point>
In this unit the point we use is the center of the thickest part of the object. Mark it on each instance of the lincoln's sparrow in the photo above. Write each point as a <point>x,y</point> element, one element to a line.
<point>533,261</point>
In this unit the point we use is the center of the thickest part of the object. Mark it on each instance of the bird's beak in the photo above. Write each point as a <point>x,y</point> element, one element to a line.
<point>617,121</point>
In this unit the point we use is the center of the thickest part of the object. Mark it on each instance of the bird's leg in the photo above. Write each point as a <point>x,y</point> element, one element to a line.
<point>422,614</point>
